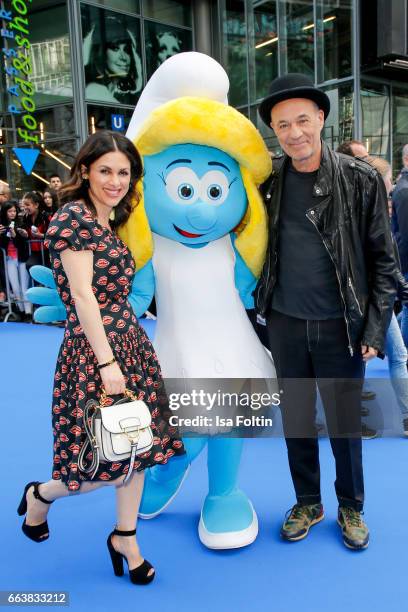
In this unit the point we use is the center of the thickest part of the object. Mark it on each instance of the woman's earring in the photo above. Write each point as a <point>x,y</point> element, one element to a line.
<point>85,179</point>
<point>112,215</point>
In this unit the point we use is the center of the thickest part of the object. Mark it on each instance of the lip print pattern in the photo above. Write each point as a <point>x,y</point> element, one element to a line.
<point>77,378</point>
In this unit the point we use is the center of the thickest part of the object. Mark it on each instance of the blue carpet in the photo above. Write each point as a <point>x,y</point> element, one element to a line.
<point>316,574</point>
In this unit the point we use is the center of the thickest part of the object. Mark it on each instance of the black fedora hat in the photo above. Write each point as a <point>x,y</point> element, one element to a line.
<point>292,85</point>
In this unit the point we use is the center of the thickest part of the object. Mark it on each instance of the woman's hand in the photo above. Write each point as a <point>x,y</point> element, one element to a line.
<point>22,232</point>
<point>112,379</point>
<point>12,232</point>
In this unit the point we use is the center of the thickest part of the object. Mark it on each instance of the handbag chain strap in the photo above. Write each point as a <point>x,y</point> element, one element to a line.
<point>90,441</point>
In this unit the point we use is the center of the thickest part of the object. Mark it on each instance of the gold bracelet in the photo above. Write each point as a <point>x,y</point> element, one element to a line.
<point>107,363</point>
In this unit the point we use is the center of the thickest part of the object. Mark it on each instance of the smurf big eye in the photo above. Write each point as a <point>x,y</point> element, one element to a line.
<point>183,185</point>
<point>186,191</point>
<point>214,192</point>
<point>214,187</point>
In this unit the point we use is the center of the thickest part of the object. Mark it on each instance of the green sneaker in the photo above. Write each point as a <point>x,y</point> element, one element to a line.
<point>355,531</point>
<point>300,519</point>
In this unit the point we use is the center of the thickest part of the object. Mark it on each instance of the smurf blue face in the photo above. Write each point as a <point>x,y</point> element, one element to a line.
<point>193,194</point>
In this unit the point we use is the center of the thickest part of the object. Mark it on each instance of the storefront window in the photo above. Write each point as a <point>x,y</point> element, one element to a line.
<point>103,118</point>
<point>111,55</point>
<point>163,41</point>
<point>50,55</point>
<point>55,158</point>
<point>5,138</point>
<point>132,6</point>
<point>335,34</point>
<point>235,50</point>
<point>297,36</point>
<point>169,11</point>
<point>267,133</point>
<point>339,125</point>
<point>400,126</point>
<point>55,122</point>
<point>375,112</point>
<point>263,39</point>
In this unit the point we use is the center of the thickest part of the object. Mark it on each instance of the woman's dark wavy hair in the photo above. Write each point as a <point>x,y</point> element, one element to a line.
<point>94,147</point>
<point>54,199</point>
<point>37,198</point>
<point>3,212</point>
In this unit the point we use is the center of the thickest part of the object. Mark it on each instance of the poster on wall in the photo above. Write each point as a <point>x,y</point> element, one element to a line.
<point>112,56</point>
<point>163,41</point>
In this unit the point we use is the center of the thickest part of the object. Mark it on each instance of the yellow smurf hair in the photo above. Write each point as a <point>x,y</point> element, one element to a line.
<point>200,121</point>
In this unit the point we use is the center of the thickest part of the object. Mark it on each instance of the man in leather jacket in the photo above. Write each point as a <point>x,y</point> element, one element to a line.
<point>326,291</point>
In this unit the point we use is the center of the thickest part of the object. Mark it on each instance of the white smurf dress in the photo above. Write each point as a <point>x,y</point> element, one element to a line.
<point>203,330</point>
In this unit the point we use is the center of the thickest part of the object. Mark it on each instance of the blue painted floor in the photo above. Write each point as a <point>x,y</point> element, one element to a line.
<point>316,574</point>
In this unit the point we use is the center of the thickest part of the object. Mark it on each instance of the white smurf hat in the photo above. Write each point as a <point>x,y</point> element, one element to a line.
<point>184,74</point>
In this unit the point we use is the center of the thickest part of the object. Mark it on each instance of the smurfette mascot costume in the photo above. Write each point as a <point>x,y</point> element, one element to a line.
<point>199,237</point>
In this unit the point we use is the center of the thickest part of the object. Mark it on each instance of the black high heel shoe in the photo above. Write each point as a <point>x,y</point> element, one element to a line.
<point>138,575</point>
<point>37,533</point>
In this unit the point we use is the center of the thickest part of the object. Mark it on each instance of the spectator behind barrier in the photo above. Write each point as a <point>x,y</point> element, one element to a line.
<point>55,182</point>
<point>394,343</point>
<point>400,230</point>
<point>354,148</point>
<point>36,224</point>
<point>405,156</point>
<point>5,193</point>
<point>14,241</point>
<point>50,203</point>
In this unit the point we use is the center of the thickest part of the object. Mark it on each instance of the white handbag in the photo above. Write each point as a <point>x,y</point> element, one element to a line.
<point>115,433</point>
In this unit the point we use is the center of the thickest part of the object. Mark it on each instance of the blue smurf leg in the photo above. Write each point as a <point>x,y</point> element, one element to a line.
<point>228,519</point>
<point>163,482</point>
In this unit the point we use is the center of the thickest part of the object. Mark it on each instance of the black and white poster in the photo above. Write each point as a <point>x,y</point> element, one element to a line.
<point>112,56</point>
<point>163,41</point>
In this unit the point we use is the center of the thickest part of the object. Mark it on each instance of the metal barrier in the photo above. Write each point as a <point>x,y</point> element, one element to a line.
<point>39,241</point>
<point>11,299</point>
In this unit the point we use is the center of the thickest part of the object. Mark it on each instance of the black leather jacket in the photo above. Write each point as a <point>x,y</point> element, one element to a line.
<point>349,210</point>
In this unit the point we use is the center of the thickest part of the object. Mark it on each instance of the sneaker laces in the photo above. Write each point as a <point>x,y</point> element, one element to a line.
<point>353,517</point>
<point>297,512</point>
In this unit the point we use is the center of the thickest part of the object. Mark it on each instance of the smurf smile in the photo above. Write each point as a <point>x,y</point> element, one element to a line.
<point>187,234</point>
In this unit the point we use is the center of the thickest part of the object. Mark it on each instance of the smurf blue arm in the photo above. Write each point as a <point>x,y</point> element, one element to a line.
<point>142,289</point>
<point>52,308</point>
<point>245,281</point>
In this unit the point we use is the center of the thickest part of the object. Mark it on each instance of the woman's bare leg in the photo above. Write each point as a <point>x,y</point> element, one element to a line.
<point>52,490</point>
<point>128,498</point>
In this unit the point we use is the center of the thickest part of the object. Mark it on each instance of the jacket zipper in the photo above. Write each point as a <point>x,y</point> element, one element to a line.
<point>355,297</point>
<point>350,348</point>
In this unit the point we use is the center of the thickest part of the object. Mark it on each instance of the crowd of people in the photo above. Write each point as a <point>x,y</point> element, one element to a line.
<point>23,224</point>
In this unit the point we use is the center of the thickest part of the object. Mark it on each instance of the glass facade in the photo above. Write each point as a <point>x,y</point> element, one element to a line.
<point>262,39</point>
<point>297,34</point>
<point>399,119</point>
<point>92,58</point>
<point>118,45</point>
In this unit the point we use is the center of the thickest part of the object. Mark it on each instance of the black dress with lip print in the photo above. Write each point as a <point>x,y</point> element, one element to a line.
<point>77,378</point>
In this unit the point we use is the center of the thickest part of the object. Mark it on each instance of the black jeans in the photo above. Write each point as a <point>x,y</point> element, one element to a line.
<point>307,353</point>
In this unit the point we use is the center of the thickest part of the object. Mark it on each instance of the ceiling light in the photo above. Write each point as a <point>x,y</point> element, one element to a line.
<point>57,159</point>
<point>267,42</point>
<point>325,20</point>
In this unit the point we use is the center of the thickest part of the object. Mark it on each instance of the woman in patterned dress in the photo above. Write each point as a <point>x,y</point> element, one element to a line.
<point>103,343</point>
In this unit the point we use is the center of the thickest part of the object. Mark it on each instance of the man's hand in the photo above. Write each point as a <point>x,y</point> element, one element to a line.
<point>368,352</point>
